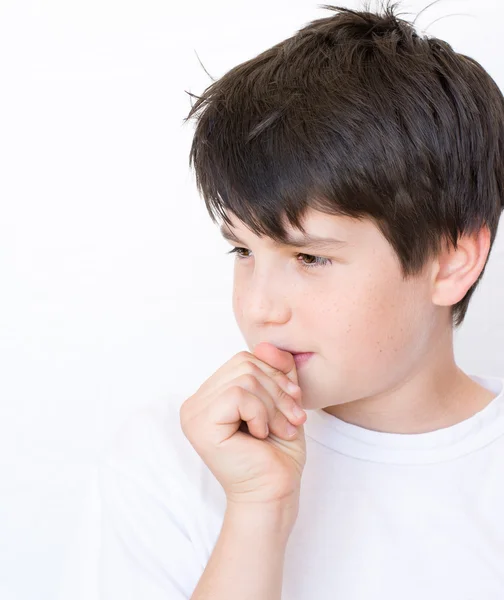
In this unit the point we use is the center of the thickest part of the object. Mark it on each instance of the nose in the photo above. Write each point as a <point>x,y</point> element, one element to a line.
<point>264,300</point>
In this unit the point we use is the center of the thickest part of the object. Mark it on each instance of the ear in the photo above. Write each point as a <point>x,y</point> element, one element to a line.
<point>457,270</point>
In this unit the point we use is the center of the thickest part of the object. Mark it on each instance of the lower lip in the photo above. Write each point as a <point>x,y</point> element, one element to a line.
<point>301,359</point>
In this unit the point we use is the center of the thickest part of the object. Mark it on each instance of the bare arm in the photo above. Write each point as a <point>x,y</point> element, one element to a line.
<point>248,559</point>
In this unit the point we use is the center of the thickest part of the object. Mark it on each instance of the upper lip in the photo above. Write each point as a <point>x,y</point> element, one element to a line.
<point>294,351</point>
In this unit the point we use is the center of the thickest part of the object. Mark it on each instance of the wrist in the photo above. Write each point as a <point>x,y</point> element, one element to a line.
<point>276,517</point>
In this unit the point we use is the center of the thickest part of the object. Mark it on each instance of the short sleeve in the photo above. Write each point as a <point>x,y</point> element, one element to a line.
<point>146,551</point>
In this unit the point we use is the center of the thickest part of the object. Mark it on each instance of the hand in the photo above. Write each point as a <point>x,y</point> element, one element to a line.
<point>252,466</point>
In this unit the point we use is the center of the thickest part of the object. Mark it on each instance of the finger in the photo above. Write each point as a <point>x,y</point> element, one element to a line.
<point>236,405</point>
<point>284,402</point>
<point>288,385</point>
<point>279,423</point>
<point>208,390</point>
<point>277,359</point>
<point>221,375</point>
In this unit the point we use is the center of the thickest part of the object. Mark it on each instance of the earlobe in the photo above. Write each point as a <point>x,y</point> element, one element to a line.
<point>458,269</point>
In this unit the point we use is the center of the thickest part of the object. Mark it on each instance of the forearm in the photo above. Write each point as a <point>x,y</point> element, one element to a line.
<point>248,558</point>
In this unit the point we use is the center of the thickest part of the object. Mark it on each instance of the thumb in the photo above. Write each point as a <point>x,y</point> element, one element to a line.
<point>278,359</point>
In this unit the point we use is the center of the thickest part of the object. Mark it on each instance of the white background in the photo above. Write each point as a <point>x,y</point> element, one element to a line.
<point>114,284</point>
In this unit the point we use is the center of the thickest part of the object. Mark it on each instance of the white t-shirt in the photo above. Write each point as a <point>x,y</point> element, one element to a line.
<point>381,516</point>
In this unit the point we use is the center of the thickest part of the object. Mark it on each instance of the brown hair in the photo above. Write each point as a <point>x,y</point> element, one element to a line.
<point>357,115</point>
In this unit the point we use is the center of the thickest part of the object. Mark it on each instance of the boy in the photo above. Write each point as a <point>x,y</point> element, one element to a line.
<point>390,146</point>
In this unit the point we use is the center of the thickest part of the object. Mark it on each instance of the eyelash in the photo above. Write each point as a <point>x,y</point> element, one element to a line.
<point>321,262</point>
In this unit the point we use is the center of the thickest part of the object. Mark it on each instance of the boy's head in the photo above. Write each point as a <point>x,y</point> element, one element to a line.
<point>359,129</point>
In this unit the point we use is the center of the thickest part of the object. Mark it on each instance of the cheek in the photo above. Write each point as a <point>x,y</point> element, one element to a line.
<point>239,302</point>
<point>378,317</point>
<point>237,310</point>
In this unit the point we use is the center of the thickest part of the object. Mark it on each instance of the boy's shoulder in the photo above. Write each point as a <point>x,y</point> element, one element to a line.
<point>150,445</point>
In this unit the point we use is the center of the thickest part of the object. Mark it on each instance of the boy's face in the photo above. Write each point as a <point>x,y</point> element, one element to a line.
<point>368,328</point>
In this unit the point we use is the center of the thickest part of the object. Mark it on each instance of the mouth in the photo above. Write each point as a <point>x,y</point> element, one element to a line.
<point>294,352</point>
<point>301,358</point>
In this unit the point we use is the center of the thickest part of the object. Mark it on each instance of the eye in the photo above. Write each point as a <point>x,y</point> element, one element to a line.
<point>319,261</point>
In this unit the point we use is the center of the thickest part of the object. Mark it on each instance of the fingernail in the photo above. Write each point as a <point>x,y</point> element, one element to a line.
<point>297,411</point>
<point>292,388</point>
<point>291,430</point>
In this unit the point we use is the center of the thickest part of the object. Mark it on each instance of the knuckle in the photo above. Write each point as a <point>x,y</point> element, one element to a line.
<point>250,381</point>
<point>284,397</point>
<point>184,418</point>
<point>183,410</point>
<point>236,391</point>
<point>181,418</point>
<point>252,368</point>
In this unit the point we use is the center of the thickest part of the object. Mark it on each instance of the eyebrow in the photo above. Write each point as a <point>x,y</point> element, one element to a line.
<point>307,241</point>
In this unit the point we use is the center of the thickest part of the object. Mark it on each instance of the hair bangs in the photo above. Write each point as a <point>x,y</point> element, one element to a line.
<point>356,115</point>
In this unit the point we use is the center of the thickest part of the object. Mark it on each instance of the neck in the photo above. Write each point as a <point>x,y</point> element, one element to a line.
<point>435,395</point>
